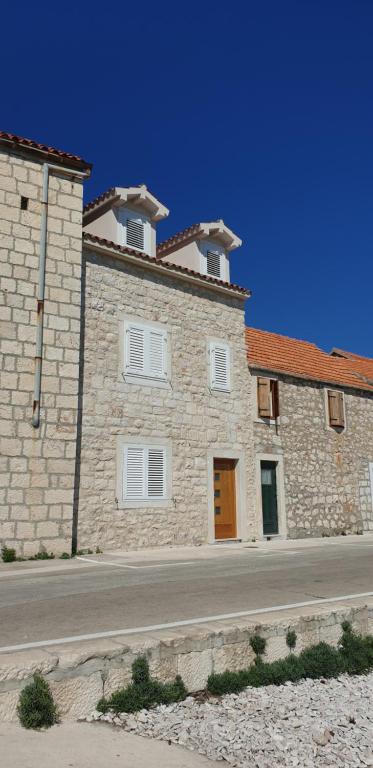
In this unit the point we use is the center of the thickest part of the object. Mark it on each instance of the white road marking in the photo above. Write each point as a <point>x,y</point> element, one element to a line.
<point>175,624</point>
<point>29,571</point>
<point>134,567</point>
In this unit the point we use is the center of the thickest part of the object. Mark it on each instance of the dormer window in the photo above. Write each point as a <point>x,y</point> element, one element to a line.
<point>135,230</point>
<point>135,234</point>
<point>214,261</point>
<point>213,264</point>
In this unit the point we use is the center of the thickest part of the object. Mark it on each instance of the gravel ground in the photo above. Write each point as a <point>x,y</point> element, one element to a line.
<point>310,724</point>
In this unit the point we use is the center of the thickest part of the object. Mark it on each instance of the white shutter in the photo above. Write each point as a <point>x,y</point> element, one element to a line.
<point>134,473</point>
<point>157,354</point>
<point>156,473</point>
<point>213,266</point>
<point>135,234</point>
<point>220,365</point>
<point>135,350</point>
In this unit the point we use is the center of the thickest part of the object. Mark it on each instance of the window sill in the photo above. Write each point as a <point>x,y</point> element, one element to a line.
<point>268,422</point>
<point>145,381</point>
<point>145,503</point>
<point>218,391</point>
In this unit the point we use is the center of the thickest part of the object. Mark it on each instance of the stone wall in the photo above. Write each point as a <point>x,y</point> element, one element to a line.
<point>326,472</point>
<point>80,674</point>
<point>37,465</point>
<point>187,414</point>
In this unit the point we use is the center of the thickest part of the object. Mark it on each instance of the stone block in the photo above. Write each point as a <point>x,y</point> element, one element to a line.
<point>195,668</point>
<point>77,696</point>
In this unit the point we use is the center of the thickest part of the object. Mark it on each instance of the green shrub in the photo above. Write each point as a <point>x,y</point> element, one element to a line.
<point>356,651</point>
<point>43,555</point>
<point>322,661</point>
<point>65,556</point>
<point>8,554</point>
<point>143,692</point>
<point>36,708</point>
<point>258,644</point>
<point>291,639</point>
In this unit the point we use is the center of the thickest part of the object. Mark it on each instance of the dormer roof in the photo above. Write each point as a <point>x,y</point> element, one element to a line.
<point>214,230</point>
<point>137,197</point>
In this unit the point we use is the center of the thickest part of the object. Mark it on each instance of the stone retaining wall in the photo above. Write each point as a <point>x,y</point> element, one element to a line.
<point>79,674</point>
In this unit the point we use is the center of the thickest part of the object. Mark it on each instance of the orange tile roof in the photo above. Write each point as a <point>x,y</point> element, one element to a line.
<point>177,239</point>
<point>281,354</point>
<point>358,363</point>
<point>56,154</point>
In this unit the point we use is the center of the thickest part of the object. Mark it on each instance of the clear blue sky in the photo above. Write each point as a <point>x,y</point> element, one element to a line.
<point>260,113</point>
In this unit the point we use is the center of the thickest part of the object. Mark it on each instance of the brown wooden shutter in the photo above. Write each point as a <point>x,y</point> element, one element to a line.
<point>275,399</point>
<point>264,398</point>
<point>336,410</point>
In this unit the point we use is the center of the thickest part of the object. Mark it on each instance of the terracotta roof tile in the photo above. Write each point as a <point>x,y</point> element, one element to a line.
<point>281,354</point>
<point>172,267</point>
<point>57,154</point>
<point>99,199</point>
<point>358,363</point>
<point>178,238</point>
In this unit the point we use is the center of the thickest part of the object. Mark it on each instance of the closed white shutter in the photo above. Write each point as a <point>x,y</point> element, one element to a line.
<point>213,266</point>
<point>144,473</point>
<point>146,352</point>
<point>135,234</point>
<point>220,367</point>
<point>135,350</point>
<point>156,354</point>
<point>156,473</point>
<point>134,473</point>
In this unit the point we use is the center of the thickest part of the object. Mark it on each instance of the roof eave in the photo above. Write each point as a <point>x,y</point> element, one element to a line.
<point>160,267</point>
<point>306,377</point>
<point>47,155</point>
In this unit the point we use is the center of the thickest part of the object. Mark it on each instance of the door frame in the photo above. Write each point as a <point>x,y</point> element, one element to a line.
<point>279,461</point>
<point>240,480</point>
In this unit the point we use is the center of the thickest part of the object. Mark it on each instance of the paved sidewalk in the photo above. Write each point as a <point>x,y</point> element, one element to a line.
<point>79,745</point>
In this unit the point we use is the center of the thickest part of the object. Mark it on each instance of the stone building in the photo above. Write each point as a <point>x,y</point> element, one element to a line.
<point>313,437</point>
<point>135,409</point>
<point>41,192</point>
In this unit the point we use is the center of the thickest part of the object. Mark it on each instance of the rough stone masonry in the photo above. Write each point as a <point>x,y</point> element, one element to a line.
<point>37,466</point>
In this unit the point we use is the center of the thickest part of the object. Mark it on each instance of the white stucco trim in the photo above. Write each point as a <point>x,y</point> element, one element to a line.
<point>280,483</point>
<point>143,440</point>
<point>371,481</point>
<point>240,473</point>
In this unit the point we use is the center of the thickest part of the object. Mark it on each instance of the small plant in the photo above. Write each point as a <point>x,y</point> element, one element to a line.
<point>8,554</point>
<point>143,692</point>
<point>291,639</point>
<point>258,645</point>
<point>65,556</point>
<point>43,555</point>
<point>36,708</point>
<point>98,551</point>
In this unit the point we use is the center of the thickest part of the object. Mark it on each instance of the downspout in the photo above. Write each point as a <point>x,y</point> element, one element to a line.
<point>41,283</point>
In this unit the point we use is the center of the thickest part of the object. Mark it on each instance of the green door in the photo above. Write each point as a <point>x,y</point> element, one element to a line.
<point>269,497</point>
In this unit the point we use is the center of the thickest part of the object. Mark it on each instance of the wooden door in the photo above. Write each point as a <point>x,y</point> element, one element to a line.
<point>225,498</point>
<point>269,497</point>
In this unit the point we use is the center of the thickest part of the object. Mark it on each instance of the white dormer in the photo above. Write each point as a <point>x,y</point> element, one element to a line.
<point>126,216</point>
<point>203,248</point>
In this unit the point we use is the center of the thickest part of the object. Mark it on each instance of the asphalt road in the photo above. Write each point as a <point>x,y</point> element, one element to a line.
<point>55,600</point>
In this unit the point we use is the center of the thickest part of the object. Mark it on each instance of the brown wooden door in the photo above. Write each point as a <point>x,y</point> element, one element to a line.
<point>225,498</point>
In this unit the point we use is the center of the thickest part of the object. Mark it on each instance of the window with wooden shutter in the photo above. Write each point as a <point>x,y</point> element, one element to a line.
<point>146,351</point>
<point>144,473</point>
<point>220,367</point>
<point>135,234</point>
<point>275,401</point>
<point>336,408</point>
<point>264,398</point>
<point>213,264</point>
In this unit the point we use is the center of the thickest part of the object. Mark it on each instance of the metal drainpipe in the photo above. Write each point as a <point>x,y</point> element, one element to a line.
<point>41,283</point>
